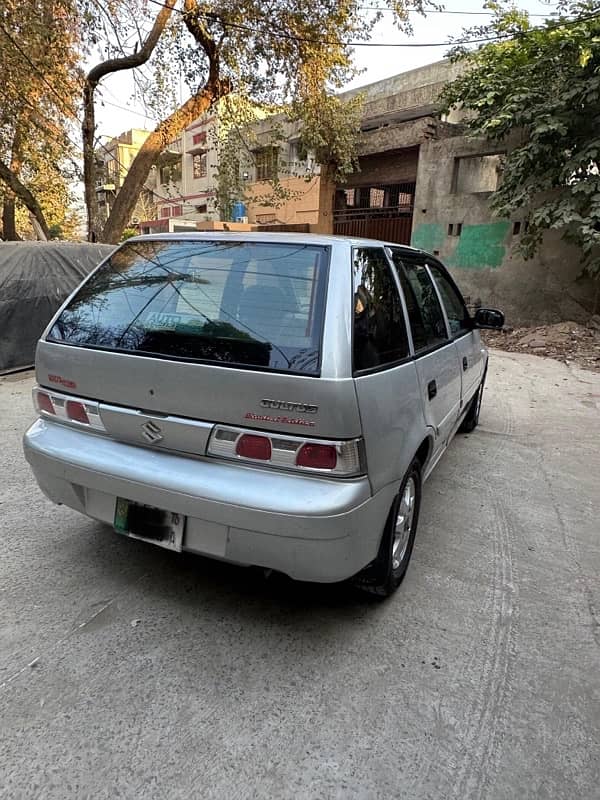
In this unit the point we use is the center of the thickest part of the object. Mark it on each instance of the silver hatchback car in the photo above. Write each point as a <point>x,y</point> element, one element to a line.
<point>266,399</point>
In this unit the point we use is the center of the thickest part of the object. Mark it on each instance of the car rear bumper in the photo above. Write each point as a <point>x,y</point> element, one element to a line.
<point>309,528</point>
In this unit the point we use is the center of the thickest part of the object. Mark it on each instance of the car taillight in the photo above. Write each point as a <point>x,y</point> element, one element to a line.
<point>317,456</point>
<point>337,458</point>
<point>65,408</point>
<point>43,402</point>
<point>76,412</point>
<point>250,446</point>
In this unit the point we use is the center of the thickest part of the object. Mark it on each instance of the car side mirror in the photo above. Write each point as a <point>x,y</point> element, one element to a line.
<point>488,318</point>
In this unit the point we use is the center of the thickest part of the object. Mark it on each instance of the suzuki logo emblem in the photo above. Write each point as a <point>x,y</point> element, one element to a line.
<point>151,432</point>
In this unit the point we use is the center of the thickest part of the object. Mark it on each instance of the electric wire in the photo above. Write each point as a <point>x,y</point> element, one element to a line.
<point>215,17</point>
<point>71,113</point>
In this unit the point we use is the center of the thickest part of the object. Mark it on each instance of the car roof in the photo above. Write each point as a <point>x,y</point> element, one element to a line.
<point>257,236</point>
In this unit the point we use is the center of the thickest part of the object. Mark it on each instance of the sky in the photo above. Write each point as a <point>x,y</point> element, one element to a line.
<point>117,110</point>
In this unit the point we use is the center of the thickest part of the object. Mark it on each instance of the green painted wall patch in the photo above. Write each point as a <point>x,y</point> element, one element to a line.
<point>428,236</point>
<point>480,246</point>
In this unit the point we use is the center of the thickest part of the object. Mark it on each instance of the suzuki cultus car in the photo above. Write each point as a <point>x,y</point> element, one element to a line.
<point>267,399</point>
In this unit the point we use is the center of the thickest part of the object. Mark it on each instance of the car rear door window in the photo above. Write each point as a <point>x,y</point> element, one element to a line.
<point>454,305</point>
<point>424,311</point>
<point>380,337</point>
<point>247,304</point>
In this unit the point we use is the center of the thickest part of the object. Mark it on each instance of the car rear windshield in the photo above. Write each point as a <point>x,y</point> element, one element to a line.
<point>240,304</point>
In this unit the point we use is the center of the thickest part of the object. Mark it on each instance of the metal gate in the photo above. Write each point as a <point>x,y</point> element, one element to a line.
<point>375,212</point>
<point>389,229</point>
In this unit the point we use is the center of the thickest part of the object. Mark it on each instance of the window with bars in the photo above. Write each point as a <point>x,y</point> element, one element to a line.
<point>199,165</point>
<point>375,200</point>
<point>266,163</point>
<point>171,173</point>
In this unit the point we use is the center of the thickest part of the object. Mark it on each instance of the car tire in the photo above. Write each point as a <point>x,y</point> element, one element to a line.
<point>383,575</point>
<point>471,419</point>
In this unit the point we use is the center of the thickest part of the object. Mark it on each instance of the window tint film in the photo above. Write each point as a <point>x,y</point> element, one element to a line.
<point>456,311</point>
<point>380,336</point>
<point>424,310</point>
<point>235,303</point>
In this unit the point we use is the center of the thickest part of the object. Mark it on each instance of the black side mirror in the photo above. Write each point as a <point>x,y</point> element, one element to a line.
<point>488,318</point>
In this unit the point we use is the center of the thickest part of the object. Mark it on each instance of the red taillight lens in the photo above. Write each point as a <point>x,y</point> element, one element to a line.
<point>250,446</point>
<point>317,456</point>
<point>76,411</point>
<point>44,403</point>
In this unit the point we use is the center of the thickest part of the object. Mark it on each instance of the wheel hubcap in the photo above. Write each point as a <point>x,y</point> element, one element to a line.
<point>404,521</point>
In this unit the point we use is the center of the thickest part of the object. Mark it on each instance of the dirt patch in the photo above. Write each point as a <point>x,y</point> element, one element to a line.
<point>565,341</point>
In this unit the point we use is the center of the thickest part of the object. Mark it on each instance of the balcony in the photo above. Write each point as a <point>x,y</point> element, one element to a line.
<point>174,148</point>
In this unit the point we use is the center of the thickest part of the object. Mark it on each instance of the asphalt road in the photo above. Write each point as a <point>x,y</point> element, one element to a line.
<point>130,672</point>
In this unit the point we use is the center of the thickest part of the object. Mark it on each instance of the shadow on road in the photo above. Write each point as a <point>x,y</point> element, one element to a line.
<point>192,581</point>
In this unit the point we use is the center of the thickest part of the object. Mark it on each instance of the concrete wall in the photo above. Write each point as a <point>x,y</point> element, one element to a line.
<point>408,95</point>
<point>302,205</point>
<point>385,168</point>
<point>396,136</point>
<point>406,89</point>
<point>481,252</point>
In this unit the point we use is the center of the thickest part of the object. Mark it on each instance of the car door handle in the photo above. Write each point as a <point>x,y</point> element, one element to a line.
<point>431,389</point>
<point>465,362</point>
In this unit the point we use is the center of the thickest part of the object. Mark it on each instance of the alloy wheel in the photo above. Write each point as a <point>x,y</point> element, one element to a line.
<point>404,521</point>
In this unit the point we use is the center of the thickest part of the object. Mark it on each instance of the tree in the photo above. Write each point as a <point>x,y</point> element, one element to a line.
<point>274,53</point>
<point>116,63</point>
<point>38,92</point>
<point>537,89</point>
<point>327,130</point>
<point>330,128</point>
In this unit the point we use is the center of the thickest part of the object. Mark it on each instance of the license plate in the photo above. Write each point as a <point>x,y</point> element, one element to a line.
<point>164,528</point>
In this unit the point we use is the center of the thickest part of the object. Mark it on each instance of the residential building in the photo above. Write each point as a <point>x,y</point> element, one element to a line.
<point>424,181</point>
<point>399,115</point>
<point>113,159</point>
<point>185,179</point>
<point>273,153</point>
<point>182,182</point>
<point>421,180</point>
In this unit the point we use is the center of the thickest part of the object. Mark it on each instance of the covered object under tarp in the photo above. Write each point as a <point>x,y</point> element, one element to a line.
<point>35,279</point>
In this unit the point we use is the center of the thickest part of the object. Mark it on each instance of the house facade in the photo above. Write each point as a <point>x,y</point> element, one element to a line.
<point>400,114</point>
<point>280,181</point>
<point>185,180</point>
<point>421,180</point>
<point>424,181</point>
<point>182,182</point>
<point>113,160</point>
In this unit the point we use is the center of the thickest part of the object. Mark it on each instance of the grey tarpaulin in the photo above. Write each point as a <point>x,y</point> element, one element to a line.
<point>35,278</point>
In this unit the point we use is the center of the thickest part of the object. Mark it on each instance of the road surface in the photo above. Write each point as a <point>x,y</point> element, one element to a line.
<point>130,672</point>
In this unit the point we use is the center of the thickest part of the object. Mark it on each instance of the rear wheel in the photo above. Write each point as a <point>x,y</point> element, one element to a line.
<point>383,576</point>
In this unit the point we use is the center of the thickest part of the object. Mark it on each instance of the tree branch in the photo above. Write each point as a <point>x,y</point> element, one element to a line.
<point>199,31</point>
<point>88,127</point>
<point>170,128</point>
<point>143,54</point>
<point>165,132</point>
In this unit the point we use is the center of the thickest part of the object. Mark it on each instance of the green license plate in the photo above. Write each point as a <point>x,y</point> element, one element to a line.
<point>155,525</point>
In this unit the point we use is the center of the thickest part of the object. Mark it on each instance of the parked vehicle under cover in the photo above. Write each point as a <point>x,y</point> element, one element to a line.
<point>267,399</point>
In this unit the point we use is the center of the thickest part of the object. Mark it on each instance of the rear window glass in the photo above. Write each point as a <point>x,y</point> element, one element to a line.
<point>234,303</point>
